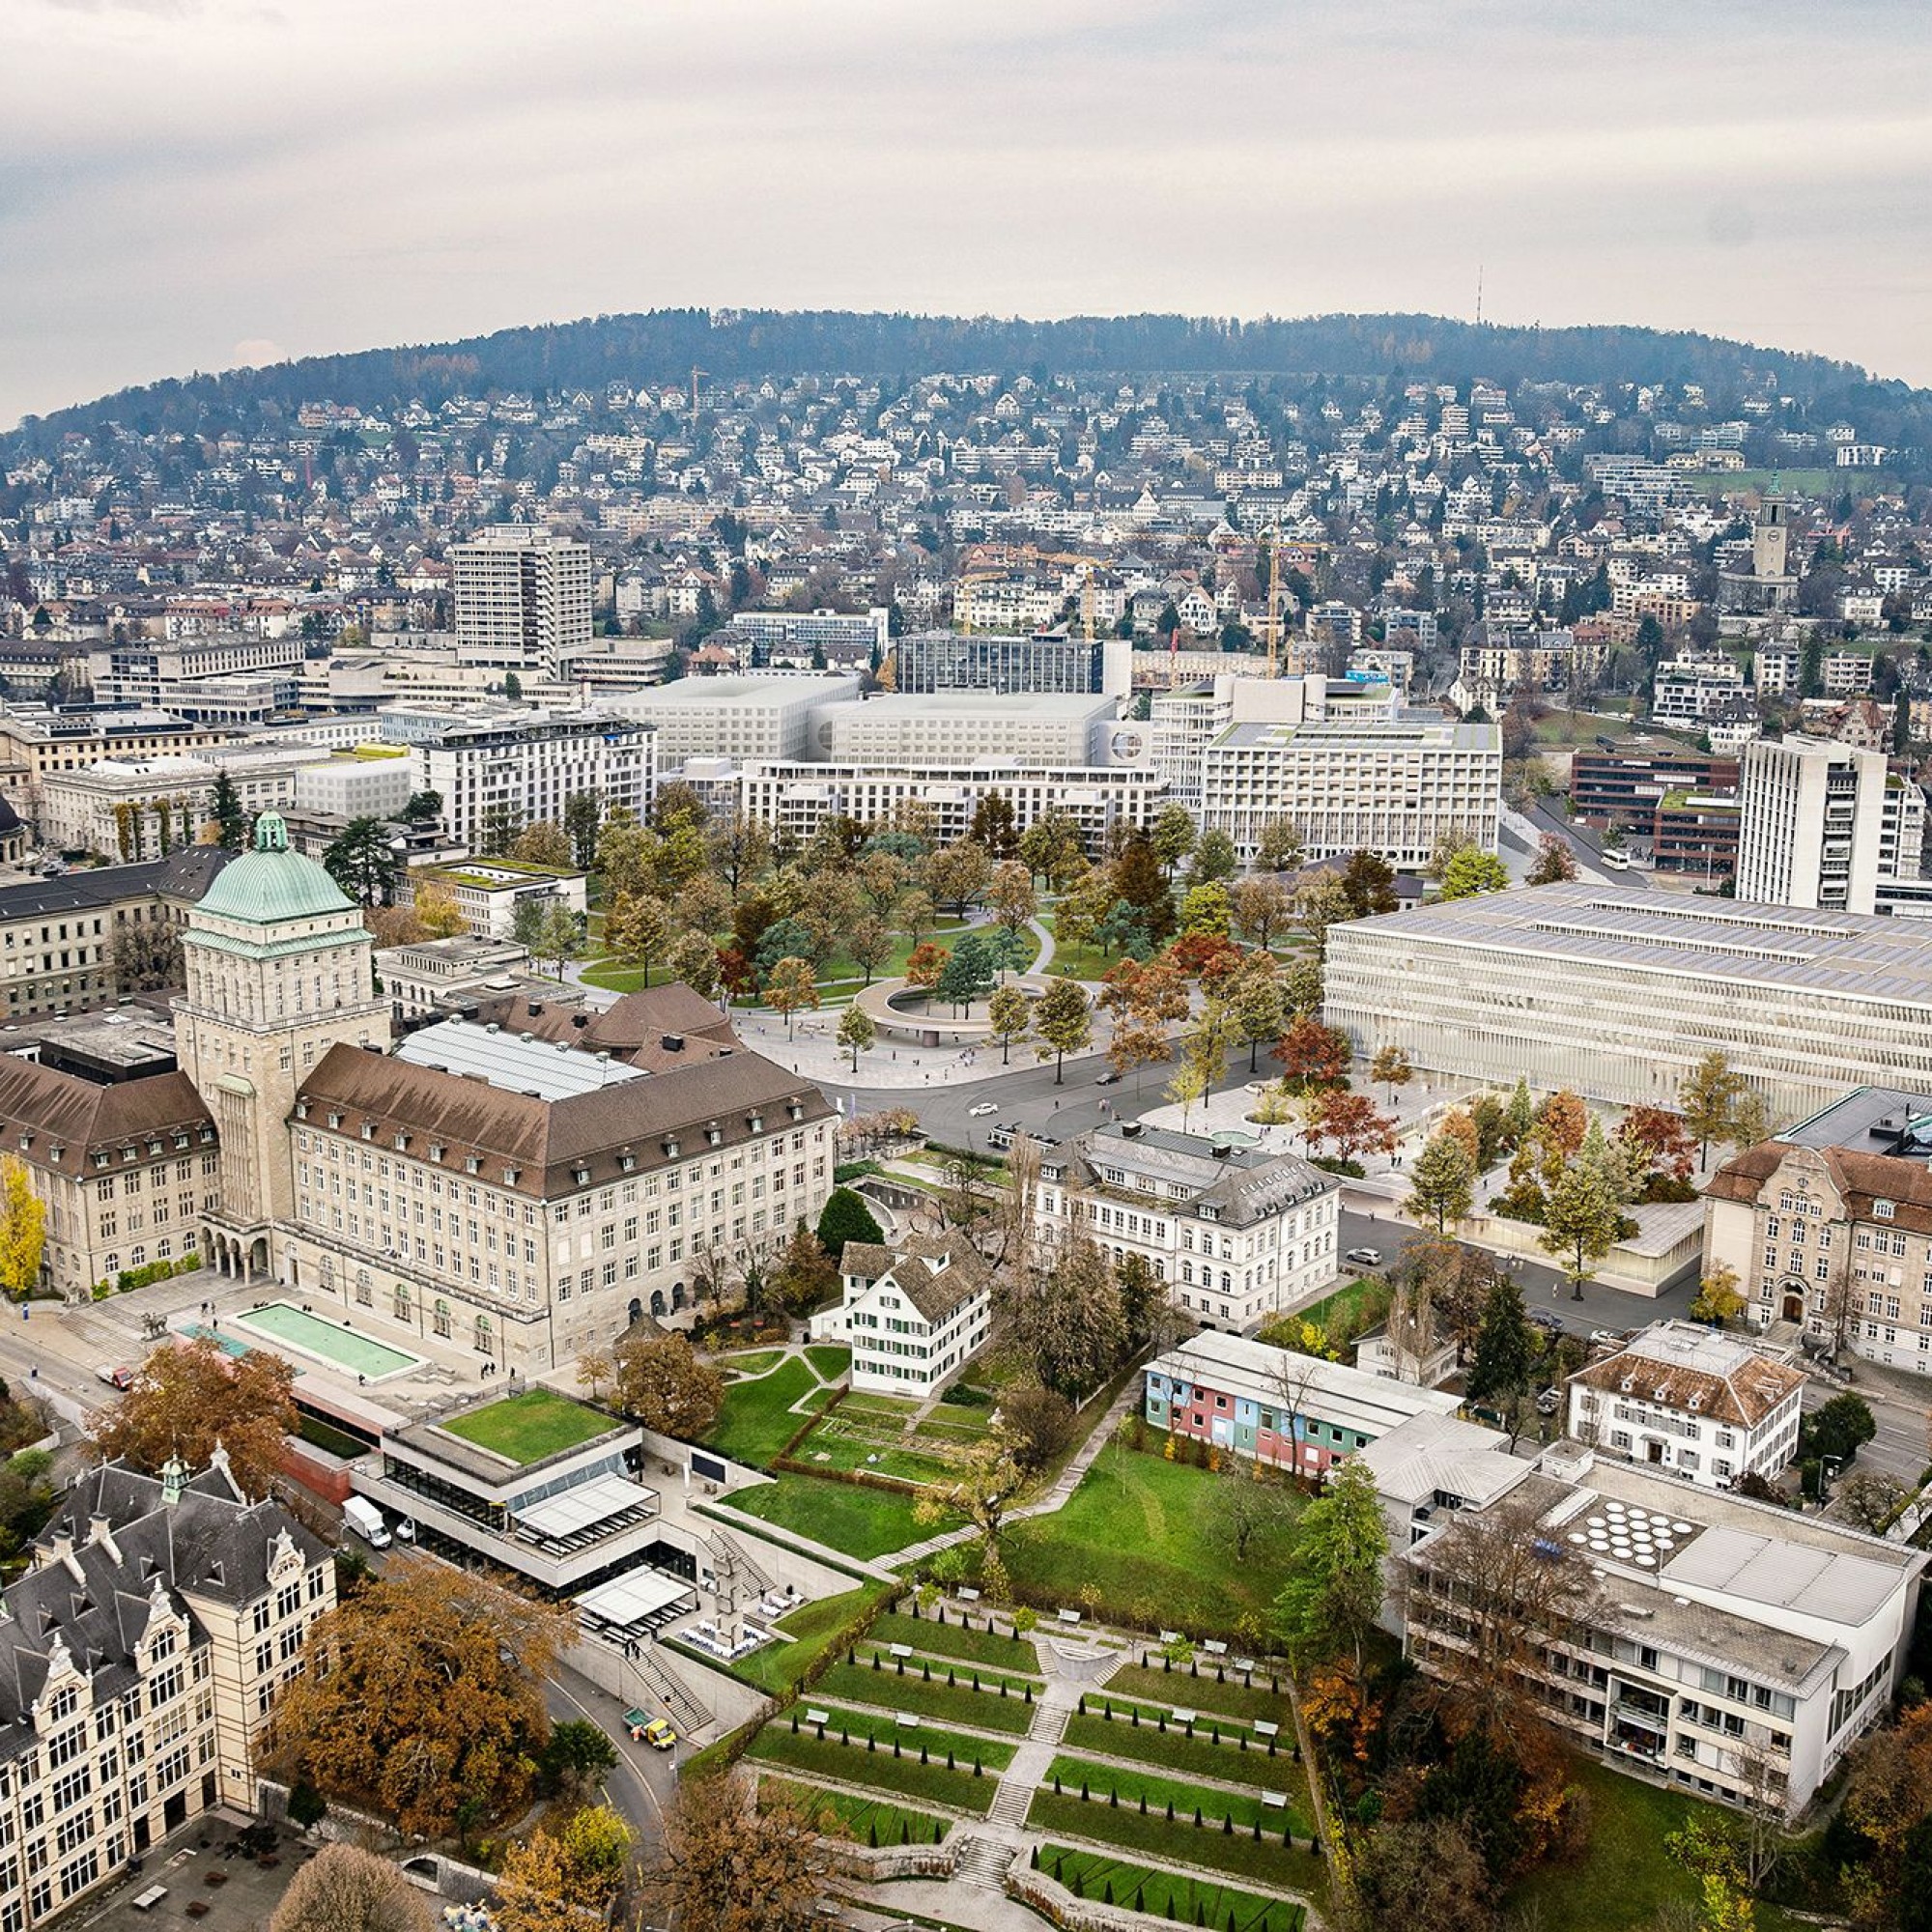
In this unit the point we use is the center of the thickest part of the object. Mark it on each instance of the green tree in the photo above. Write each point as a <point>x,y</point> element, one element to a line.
<point>967,975</point>
<point>1255,1000</point>
<point>1839,1428</point>
<point>362,862</point>
<point>1506,1350</point>
<point>1062,1023</point>
<point>1555,862</point>
<point>1442,1183</point>
<point>1011,1014</point>
<point>230,820</point>
<point>1708,1099</point>
<point>856,1032</point>
<point>1368,883</point>
<point>425,807</point>
<point>790,987</point>
<point>1471,871</point>
<point>844,1218</point>
<point>1280,847</point>
<point>638,928</point>
<point>1583,1212</point>
<point>562,936</point>
<point>1334,1588</point>
<point>1173,837</point>
<point>1207,910</point>
<point>544,843</point>
<point>1051,849</point>
<point>1214,858</point>
<point>583,820</point>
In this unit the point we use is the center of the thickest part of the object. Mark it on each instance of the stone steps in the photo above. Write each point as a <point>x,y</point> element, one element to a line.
<point>982,1863</point>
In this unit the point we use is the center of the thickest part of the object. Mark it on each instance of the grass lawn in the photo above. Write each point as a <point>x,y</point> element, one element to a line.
<point>1077,962</point>
<point>1243,1807</point>
<point>526,1428</point>
<point>950,1639</point>
<point>859,1522</point>
<point>884,1729</point>
<point>833,1364</point>
<point>1190,1901</point>
<point>847,1442</point>
<point>868,1821</point>
<point>954,1703</point>
<point>1268,1861</point>
<point>1175,1751</point>
<point>1143,1530</point>
<point>1148,1684</point>
<point>814,1628</point>
<point>1352,1305</point>
<point>757,1362</point>
<point>755,1421</point>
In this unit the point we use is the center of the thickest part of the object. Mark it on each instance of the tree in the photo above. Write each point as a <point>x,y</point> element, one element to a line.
<point>1262,906</point>
<point>790,987</point>
<point>1507,1349</point>
<point>563,1880</point>
<point>1368,884</point>
<point>1311,1055</point>
<point>695,962</point>
<point>924,965</point>
<point>344,1889</point>
<point>437,910</point>
<point>805,1276</point>
<point>1137,876</point>
<point>956,874</point>
<point>1837,1429</point>
<point>425,807</point>
<point>869,943</point>
<point>1071,1327</point>
<point>1872,1499</point>
<point>1040,1423</point>
<point>1719,1300</point>
<point>1555,862</point>
<point>225,811</point>
<point>1472,871</point>
<point>1751,1122</point>
<point>1280,847</point>
<point>994,829</point>
<point>1708,1099</point>
<point>1173,837</point>
<point>1583,1214</point>
<point>1208,909</point>
<point>544,843</point>
<point>728,1867</point>
<point>1348,1122</point>
<point>424,1690</point>
<point>1391,1068</point>
<point>636,928</point>
<point>1255,1003</point>
<point>1334,1588</point>
<point>1062,1023</point>
<point>1010,1012</point>
<point>23,1229</point>
<point>1214,858</point>
<point>1441,1182</point>
<point>1051,848</point>
<point>362,862</point>
<point>1415,1872</point>
<point>188,1397</point>
<point>982,1480</point>
<point>1010,897</point>
<point>856,1032</point>
<point>665,1386</point>
<point>844,1218</point>
<point>578,1756</point>
<point>967,975</point>
<point>560,937</point>
<point>1659,1142</point>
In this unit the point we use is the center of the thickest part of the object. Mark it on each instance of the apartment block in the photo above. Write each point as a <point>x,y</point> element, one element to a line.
<point>1825,825</point>
<point>522,598</point>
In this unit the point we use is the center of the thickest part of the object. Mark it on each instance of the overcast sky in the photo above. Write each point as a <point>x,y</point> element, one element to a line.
<point>194,183</point>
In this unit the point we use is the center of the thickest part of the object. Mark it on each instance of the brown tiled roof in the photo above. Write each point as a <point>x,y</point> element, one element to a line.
<point>934,1275</point>
<point>633,1030</point>
<point>1745,1396</point>
<point>1861,1180</point>
<point>547,1142</point>
<point>53,1109</point>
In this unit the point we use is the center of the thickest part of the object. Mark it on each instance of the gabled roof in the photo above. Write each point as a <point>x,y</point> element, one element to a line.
<point>41,1109</point>
<point>935,1275</point>
<point>1681,1366</point>
<point>1861,1181</point>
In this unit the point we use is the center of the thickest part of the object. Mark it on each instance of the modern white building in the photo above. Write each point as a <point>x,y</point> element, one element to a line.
<point>954,727</point>
<point>1687,689</point>
<point>522,596</point>
<point>1703,1405</point>
<point>913,1312</point>
<point>1729,1647</point>
<point>1394,788</point>
<point>373,785</point>
<point>1619,995</point>
<point>1824,825</point>
<point>145,808</point>
<point>1236,1234</point>
<point>510,768</point>
<point>741,718</point>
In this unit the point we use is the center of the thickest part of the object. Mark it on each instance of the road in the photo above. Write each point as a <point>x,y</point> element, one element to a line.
<point>642,1783</point>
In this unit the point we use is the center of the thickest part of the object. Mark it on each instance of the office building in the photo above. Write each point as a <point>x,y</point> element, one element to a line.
<point>1825,825</point>
<point>139,1655</point>
<point>376,783</point>
<point>522,598</point>
<point>741,718</point>
<point>36,740</point>
<point>501,770</point>
<point>809,640</point>
<point>1236,1234</point>
<point>1703,1405</point>
<point>1619,996</point>
<point>1624,788</point>
<point>1044,662</point>
<point>954,727</point>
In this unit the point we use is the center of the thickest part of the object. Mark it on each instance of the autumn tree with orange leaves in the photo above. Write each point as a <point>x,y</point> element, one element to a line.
<point>190,1396</point>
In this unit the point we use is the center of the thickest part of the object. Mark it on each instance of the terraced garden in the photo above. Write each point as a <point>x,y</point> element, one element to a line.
<point>1192,1901</point>
<point>999,1704</point>
<point>1238,1759</point>
<point>948,1768</point>
<point>866,1821</point>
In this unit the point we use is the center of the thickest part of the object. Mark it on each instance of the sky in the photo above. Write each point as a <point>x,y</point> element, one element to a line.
<point>199,183</point>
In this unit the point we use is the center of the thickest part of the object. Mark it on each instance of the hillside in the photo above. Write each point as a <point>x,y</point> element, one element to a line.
<point>661,345</point>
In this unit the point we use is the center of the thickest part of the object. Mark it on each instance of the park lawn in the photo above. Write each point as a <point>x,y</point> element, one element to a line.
<point>966,1676</point>
<point>758,1362</point>
<point>849,1516</point>
<point>866,1821</point>
<point>1161,1895</point>
<point>893,1409</point>
<point>883,1727</point>
<point>814,1628</point>
<point>1350,1304</point>
<point>954,1703</point>
<point>1143,1531</point>
<point>1175,1751</point>
<point>1148,1684</point>
<point>755,1421</point>
<point>958,1790</point>
<point>526,1428</point>
<point>950,1638</point>
<point>1076,963</point>
<point>1243,1807</point>
<point>833,1364</point>
<point>837,1444</point>
<point>617,978</point>
<point>1268,1861</point>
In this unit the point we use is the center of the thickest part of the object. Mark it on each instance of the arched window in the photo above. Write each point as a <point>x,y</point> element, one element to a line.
<point>365,1289</point>
<point>486,1339</point>
<point>402,1301</point>
<point>441,1318</point>
<point>137,1258</point>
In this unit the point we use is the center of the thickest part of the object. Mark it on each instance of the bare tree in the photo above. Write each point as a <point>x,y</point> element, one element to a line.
<point>344,1889</point>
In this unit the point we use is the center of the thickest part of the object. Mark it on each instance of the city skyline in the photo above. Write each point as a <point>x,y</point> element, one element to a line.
<point>1746,171</point>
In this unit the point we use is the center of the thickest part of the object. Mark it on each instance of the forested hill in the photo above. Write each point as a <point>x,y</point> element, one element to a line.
<point>663,345</point>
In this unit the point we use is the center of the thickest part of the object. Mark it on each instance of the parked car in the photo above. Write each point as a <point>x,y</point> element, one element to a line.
<point>985,1108</point>
<point>406,1529</point>
<point>1609,1337</point>
<point>1545,1318</point>
<point>1549,1400</point>
<point>120,1378</point>
<point>1368,1258</point>
<point>1108,1080</point>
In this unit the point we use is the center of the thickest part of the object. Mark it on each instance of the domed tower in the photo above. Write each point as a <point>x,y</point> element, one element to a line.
<point>277,964</point>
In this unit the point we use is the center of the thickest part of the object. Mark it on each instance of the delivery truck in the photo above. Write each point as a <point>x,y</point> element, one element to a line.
<point>366,1521</point>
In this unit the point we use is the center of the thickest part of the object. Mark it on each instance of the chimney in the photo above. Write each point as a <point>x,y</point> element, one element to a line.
<point>673,1043</point>
<point>579,1020</point>
<point>98,1532</point>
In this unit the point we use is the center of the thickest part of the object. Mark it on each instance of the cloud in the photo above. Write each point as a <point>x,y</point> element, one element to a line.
<point>363,173</point>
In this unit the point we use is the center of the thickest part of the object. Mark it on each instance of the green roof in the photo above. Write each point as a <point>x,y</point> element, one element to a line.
<point>526,1428</point>
<point>271,884</point>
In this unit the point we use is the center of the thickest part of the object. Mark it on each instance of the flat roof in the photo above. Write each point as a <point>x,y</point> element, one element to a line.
<point>552,1070</point>
<point>582,1507</point>
<point>1849,955</point>
<point>636,1597</point>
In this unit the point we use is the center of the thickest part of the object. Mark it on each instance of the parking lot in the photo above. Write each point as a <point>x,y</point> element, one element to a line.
<point>201,1864</point>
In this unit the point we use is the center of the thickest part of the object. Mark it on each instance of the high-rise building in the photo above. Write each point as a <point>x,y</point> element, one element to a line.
<point>1046,661</point>
<point>1824,826</point>
<point>521,597</point>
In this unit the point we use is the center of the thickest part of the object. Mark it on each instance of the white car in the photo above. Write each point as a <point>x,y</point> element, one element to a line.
<point>979,1112</point>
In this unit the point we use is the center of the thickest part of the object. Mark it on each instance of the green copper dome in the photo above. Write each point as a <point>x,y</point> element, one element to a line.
<point>271,884</point>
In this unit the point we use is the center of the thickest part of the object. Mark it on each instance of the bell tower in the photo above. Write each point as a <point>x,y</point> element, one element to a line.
<point>277,964</point>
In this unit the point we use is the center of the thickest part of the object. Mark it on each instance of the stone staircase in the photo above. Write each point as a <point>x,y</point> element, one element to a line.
<point>982,1863</point>
<point>1014,1796</point>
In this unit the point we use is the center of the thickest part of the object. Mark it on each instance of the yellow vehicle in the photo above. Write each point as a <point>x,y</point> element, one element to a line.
<point>648,1730</point>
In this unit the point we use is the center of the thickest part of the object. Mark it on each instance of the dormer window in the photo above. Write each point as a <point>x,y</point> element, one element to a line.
<point>671,1148</point>
<point>474,1164</point>
<point>206,1135</point>
<point>100,1159</point>
<point>795,1110</point>
<point>401,1141</point>
<point>301,1114</point>
<point>368,1131</point>
<point>154,1149</point>
<point>756,1122</point>
<point>1882,1211</point>
<point>181,1142</point>
<point>56,1153</point>
<point>335,1119</point>
<point>627,1161</point>
<point>582,1176</point>
<point>435,1150</point>
<point>129,1156</point>
<point>511,1175</point>
<point>26,1141</point>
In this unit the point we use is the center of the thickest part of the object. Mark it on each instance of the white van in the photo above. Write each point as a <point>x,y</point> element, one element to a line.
<point>363,1515</point>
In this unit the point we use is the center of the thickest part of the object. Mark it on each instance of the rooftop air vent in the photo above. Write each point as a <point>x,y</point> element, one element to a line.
<point>673,1043</point>
<point>579,1021</point>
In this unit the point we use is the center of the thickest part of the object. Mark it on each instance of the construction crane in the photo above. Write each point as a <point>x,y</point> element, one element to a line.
<point>696,373</point>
